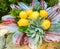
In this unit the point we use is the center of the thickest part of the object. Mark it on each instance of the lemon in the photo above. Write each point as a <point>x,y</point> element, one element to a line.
<point>23,22</point>
<point>23,14</point>
<point>43,13</point>
<point>46,24</point>
<point>34,15</point>
<point>29,12</point>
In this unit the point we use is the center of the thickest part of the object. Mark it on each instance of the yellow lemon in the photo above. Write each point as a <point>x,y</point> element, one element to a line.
<point>29,12</point>
<point>46,24</point>
<point>23,22</point>
<point>23,14</point>
<point>43,13</point>
<point>34,15</point>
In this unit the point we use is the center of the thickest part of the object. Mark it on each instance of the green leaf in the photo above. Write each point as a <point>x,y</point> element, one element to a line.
<point>11,1</point>
<point>36,39</point>
<point>37,7</point>
<point>22,28</point>
<point>26,1</point>
<point>51,2</point>
<point>14,12</point>
<point>4,6</point>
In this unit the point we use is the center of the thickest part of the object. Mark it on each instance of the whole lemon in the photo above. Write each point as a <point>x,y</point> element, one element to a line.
<point>34,15</point>
<point>46,24</point>
<point>43,13</point>
<point>23,22</point>
<point>23,14</point>
<point>29,12</point>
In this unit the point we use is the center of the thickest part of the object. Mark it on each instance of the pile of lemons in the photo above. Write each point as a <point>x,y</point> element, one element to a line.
<point>24,15</point>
